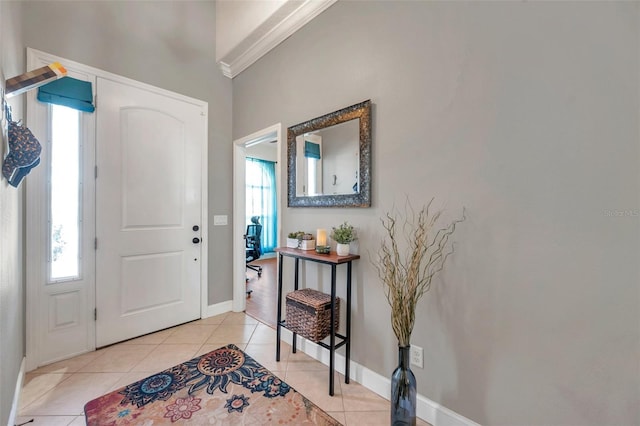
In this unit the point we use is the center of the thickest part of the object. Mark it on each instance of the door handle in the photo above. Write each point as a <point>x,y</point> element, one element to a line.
<point>196,240</point>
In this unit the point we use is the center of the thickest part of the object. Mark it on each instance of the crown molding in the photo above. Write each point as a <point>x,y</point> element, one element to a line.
<point>292,16</point>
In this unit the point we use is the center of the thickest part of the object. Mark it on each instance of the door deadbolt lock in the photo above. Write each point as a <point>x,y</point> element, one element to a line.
<point>195,227</point>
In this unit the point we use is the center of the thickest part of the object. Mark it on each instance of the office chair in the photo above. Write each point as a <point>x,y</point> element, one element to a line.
<point>252,243</point>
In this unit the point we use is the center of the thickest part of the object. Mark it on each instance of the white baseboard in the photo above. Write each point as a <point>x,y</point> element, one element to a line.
<point>16,394</point>
<point>217,309</point>
<point>428,410</point>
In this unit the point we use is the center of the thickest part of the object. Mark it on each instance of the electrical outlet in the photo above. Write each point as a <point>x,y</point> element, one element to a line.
<point>416,356</point>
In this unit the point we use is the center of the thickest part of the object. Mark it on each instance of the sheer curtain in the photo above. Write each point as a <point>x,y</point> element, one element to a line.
<point>261,199</point>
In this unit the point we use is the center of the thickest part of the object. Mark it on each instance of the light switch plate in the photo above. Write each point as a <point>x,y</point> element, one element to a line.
<point>220,220</point>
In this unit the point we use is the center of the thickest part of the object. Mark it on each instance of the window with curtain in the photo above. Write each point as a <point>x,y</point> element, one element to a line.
<point>261,199</point>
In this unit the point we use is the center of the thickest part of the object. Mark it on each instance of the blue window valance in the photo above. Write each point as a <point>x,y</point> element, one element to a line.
<point>69,92</point>
<point>311,150</point>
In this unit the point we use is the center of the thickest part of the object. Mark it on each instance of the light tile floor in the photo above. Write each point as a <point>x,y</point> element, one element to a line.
<point>55,394</point>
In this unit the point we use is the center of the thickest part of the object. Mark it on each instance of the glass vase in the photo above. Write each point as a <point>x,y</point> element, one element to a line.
<point>403,391</point>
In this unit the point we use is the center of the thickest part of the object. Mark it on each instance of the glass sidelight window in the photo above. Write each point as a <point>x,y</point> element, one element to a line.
<point>65,192</point>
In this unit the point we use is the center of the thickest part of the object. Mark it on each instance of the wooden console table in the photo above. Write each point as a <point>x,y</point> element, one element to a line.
<point>333,260</point>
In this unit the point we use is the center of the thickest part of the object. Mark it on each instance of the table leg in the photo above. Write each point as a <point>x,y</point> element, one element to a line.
<point>296,281</point>
<point>332,338</point>
<point>278,325</point>
<point>348,333</point>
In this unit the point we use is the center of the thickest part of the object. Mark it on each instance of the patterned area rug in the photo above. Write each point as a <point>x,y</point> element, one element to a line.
<point>224,387</point>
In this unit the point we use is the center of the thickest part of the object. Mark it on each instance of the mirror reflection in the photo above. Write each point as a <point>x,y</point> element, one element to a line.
<point>327,160</point>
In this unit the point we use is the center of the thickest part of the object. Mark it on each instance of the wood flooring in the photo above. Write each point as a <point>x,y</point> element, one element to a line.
<point>262,302</point>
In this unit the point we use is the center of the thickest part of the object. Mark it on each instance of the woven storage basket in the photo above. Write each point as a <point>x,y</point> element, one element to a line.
<point>309,313</point>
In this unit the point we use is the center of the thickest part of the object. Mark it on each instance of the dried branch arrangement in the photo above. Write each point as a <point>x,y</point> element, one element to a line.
<point>407,267</point>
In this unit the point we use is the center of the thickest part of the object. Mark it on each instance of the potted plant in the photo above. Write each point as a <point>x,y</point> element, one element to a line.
<point>293,239</point>
<point>301,240</point>
<point>307,242</point>
<point>413,251</point>
<point>343,235</point>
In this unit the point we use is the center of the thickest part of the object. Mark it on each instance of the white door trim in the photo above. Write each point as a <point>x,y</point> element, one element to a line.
<point>35,195</point>
<point>239,197</point>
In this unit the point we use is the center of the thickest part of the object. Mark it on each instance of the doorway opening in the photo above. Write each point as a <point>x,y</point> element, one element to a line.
<point>261,238</point>
<point>257,207</point>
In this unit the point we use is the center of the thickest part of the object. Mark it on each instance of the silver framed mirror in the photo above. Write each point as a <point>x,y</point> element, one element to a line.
<point>329,159</point>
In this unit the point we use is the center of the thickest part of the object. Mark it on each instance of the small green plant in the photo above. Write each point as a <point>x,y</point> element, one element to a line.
<point>300,235</point>
<point>344,234</point>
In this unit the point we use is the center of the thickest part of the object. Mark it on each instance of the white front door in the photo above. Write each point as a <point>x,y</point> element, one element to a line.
<point>148,211</point>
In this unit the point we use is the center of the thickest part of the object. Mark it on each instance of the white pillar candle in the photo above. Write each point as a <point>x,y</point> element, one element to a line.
<point>321,237</point>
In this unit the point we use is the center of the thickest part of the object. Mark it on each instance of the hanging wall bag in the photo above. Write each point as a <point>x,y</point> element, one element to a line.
<point>24,154</point>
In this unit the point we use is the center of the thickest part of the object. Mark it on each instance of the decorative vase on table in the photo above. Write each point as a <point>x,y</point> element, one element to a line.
<point>403,391</point>
<point>342,249</point>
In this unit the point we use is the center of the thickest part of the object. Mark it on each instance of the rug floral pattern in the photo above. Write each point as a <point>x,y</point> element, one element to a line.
<point>224,387</point>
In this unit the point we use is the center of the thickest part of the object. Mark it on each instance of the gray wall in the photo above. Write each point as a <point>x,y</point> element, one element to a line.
<point>166,44</point>
<point>527,114</point>
<point>12,293</point>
